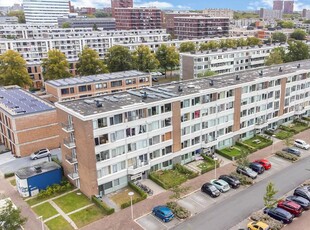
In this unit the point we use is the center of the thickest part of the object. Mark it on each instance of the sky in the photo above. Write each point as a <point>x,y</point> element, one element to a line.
<point>184,4</point>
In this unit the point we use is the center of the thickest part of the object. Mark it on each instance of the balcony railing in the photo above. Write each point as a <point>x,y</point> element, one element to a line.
<point>73,175</point>
<point>67,127</point>
<point>69,143</point>
<point>71,160</point>
<point>137,168</point>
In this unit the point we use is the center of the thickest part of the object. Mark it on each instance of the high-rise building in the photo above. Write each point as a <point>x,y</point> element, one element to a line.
<point>270,14</point>
<point>306,13</point>
<point>45,11</point>
<point>288,7</point>
<point>278,5</point>
<point>121,4</point>
<point>219,13</point>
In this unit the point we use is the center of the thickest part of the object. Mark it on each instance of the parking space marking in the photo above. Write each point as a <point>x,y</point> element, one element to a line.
<point>151,222</point>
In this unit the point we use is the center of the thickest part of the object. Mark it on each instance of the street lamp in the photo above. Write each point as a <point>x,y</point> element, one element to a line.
<point>131,195</point>
<point>273,136</point>
<point>41,218</point>
<point>215,163</point>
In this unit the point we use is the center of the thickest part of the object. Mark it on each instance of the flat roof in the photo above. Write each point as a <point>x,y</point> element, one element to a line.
<point>44,167</point>
<point>95,78</point>
<point>123,100</point>
<point>17,102</point>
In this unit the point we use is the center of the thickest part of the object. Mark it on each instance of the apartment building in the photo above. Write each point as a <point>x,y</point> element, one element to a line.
<point>120,4</point>
<point>27,122</point>
<point>100,23</point>
<point>214,13</point>
<point>94,85</point>
<point>270,14</point>
<point>112,139</point>
<point>306,13</point>
<point>243,22</point>
<point>137,18</point>
<point>194,65</point>
<point>278,5</point>
<point>288,7</point>
<point>8,20</point>
<point>200,27</point>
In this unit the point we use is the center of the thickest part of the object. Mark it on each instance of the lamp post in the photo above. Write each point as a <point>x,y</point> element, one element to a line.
<point>273,136</point>
<point>131,195</point>
<point>215,161</point>
<point>42,223</point>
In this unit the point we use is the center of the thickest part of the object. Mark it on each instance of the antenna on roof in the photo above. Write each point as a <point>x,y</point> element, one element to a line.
<point>237,77</point>
<point>261,73</point>
<point>298,66</point>
<point>98,104</point>
<point>211,83</point>
<point>180,89</point>
<point>144,96</point>
<point>280,69</point>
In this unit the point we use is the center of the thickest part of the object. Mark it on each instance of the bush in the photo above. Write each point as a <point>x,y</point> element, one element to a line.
<point>7,175</point>
<point>128,203</point>
<point>183,170</point>
<point>268,132</point>
<point>54,189</point>
<point>178,211</point>
<point>223,154</point>
<point>102,206</point>
<point>211,162</point>
<point>287,129</point>
<point>287,156</point>
<point>273,224</point>
<point>138,190</point>
<point>244,180</point>
<point>250,148</point>
<point>306,118</point>
<point>153,177</point>
<point>56,160</point>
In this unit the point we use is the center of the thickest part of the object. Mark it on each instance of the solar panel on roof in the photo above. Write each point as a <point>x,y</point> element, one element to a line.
<point>62,82</point>
<point>112,99</point>
<point>134,93</point>
<point>54,83</point>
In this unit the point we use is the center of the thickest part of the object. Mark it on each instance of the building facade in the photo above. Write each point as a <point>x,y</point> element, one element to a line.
<point>45,11</point>
<point>137,18</point>
<point>306,13</point>
<point>112,139</point>
<point>288,7</point>
<point>100,23</point>
<point>120,4</point>
<point>200,27</point>
<point>214,13</point>
<point>270,14</point>
<point>27,122</point>
<point>278,5</point>
<point>8,20</point>
<point>194,65</point>
<point>94,85</point>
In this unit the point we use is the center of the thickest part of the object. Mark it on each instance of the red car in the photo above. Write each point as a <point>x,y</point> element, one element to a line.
<point>265,163</point>
<point>290,206</point>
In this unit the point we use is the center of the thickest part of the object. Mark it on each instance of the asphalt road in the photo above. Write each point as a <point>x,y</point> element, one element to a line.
<point>226,214</point>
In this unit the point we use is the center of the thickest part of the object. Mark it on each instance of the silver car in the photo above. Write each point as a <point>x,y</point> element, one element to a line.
<point>40,154</point>
<point>221,185</point>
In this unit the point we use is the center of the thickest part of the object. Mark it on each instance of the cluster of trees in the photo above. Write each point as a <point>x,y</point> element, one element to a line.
<point>19,14</point>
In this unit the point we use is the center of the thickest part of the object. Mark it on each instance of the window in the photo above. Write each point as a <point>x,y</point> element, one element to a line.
<point>185,103</point>
<point>195,128</point>
<point>143,79</point>
<point>101,123</point>
<point>116,83</point>
<point>107,185</point>
<point>118,135</point>
<point>153,126</point>
<point>130,81</point>
<point>185,130</point>
<point>167,163</point>
<point>154,140</point>
<point>101,85</point>
<point>118,151</point>
<point>196,114</point>
<point>102,139</point>
<point>84,88</point>
<point>64,91</point>
<point>166,108</point>
<point>153,111</point>
<point>195,101</point>
<point>116,119</point>
<point>104,155</point>
<point>130,132</point>
<point>155,154</point>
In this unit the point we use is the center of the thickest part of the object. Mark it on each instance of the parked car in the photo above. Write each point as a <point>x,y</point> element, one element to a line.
<point>304,203</point>
<point>303,192</point>
<point>258,225</point>
<point>291,207</point>
<point>265,163</point>
<point>301,144</point>
<point>221,185</point>
<point>210,189</point>
<point>292,151</point>
<point>40,154</point>
<point>279,214</point>
<point>231,180</point>
<point>163,212</point>
<point>155,79</point>
<point>257,167</point>
<point>247,172</point>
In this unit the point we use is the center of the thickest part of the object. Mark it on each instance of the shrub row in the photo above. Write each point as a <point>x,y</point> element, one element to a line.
<point>178,210</point>
<point>268,132</point>
<point>306,118</point>
<point>137,190</point>
<point>285,128</point>
<point>244,180</point>
<point>223,154</point>
<point>127,204</point>
<point>211,162</point>
<point>273,224</point>
<point>287,156</point>
<point>250,148</point>
<point>185,171</point>
<point>301,123</point>
<point>154,178</point>
<point>102,206</point>
<point>7,175</point>
<point>54,189</point>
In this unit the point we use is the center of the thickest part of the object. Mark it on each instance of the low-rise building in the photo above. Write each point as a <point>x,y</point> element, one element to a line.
<point>111,139</point>
<point>27,122</point>
<point>8,20</point>
<point>94,85</point>
<point>227,13</point>
<point>100,23</point>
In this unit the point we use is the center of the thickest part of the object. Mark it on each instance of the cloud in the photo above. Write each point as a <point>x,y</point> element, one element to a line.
<point>161,5</point>
<point>91,3</point>
<point>255,5</point>
<point>9,2</point>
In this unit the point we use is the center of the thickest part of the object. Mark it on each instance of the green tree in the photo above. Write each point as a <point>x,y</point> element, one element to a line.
<point>288,142</point>
<point>178,191</point>
<point>307,21</point>
<point>298,34</point>
<point>276,57</point>
<point>269,198</point>
<point>168,57</point>
<point>66,25</point>
<point>297,50</point>
<point>89,63</point>
<point>55,66</point>
<point>286,24</point>
<point>19,14</point>
<point>187,47</point>
<point>118,58</point>
<point>100,14</point>
<point>207,73</point>
<point>228,43</point>
<point>95,28</point>
<point>144,59</point>
<point>278,37</point>
<point>10,217</point>
<point>209,46</point>
<point>13,70</point>
<point>253,41</point>
<point>241,42</point>
<point>243,161</point>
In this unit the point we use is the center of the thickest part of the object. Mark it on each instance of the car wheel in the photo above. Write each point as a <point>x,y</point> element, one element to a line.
<point>35,158</point>
<point>221,190</point>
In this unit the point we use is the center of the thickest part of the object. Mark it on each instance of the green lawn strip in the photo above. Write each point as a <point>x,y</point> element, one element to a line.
<point>283,134</point>
<point>170,178</point>
<point>232,151</point>
<point>87,216</point>
<point>122,196</point>
<point>45,210</point>
<point>36,200</point>
<point>58,223</point>
<point>72,201</point>
<point>299,127</point>
<point>251,142</point>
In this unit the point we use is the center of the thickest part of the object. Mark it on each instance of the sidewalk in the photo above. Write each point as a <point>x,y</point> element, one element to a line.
<point>122,219</point>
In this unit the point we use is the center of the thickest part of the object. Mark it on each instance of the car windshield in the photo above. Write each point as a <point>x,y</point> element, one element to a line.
<point>213,188</point>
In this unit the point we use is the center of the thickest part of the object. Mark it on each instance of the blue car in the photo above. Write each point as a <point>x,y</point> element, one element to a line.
<point>163,212</point>
<point>279,214</point>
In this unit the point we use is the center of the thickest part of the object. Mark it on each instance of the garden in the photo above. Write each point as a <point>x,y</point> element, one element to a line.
<point>282,134</point>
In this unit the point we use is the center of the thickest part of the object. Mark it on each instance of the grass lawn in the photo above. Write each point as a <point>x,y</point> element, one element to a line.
<point>72,201</point>
<point>13,182</point>
<point>36,200</point>
<point>122,196</point>
<point>170,178</point>
<point>283,134</point>
<point>58,223</point>
<point>263,142</point>
<point>298,127</point>
<point>46,210</point>
<point>86,216</point>
<point>205,166</point>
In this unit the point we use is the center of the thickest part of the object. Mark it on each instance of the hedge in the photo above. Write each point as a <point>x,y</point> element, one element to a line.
<point>285,128</point>
<point>287,156</point>
<point>306,118</point>
<point>137,190</point>
<point>251,149</point>
<point>218,151</point>
<point>211,161</point>
<point>157,181</point>
<point>127,204</point>
<point>7,175</point>
<point>183,170</point>
<point>270,133</point>
<point>102,206</point>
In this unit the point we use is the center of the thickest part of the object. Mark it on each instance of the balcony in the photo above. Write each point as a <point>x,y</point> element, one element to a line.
<point>261,124</point>
<point>300,111</point>
<point>69,143</point>
<point>141,167</point>
<point>73,175</point>
<point>67,127</point>
<point>71,160</point>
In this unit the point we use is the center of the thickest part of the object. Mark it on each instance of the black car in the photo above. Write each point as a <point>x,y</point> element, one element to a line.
<point>231,180</point>
<point>210,189</point>
<point>304,203</point>
<point>247,172</point>
<point>257,167</point>
<point>279,214</point>
<point>303,192</point>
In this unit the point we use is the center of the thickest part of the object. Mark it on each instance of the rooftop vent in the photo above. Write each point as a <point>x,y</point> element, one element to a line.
<point>98,104</point>
<point>298,66</point>
<point>237,77</point>
<point>180,89</point>
<point>144,96</point>
<point>261,73</point>
<point>280,69</point>
<point>211,83</point>
<point>38,169</point>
